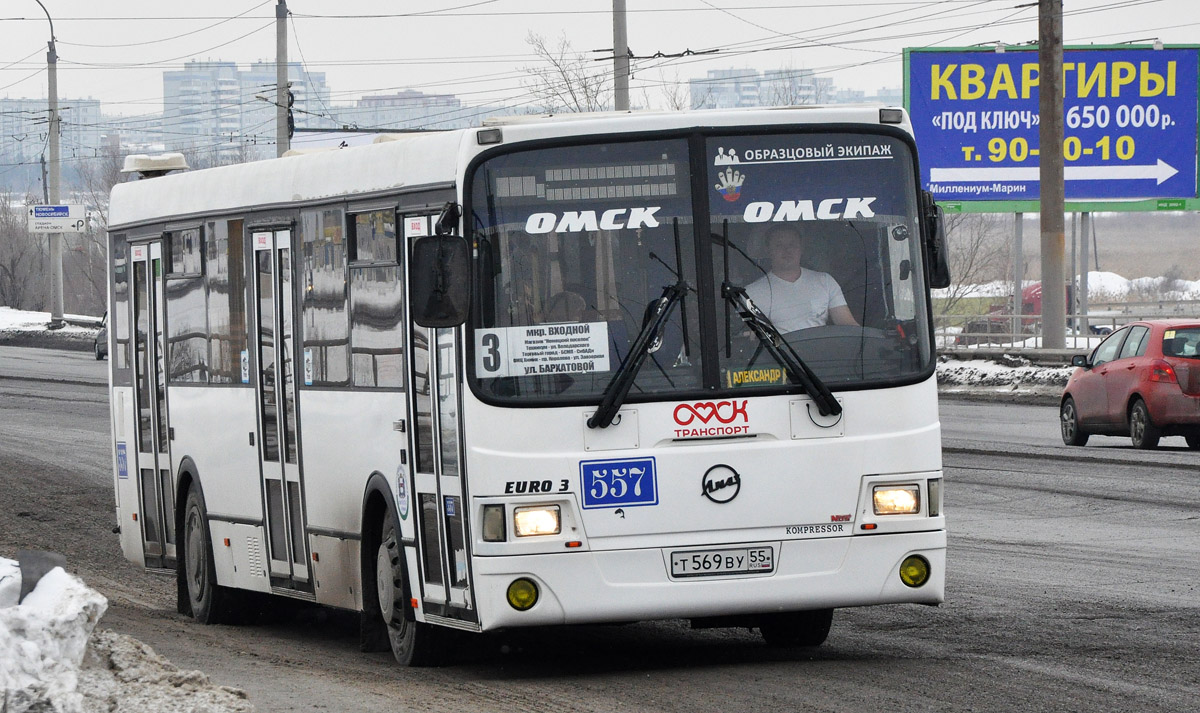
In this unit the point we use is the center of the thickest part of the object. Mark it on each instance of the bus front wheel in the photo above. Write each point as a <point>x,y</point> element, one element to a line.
<point>413,643</point>
<point>797,628</point>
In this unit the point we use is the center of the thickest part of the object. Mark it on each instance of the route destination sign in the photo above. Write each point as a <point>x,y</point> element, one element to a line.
<point>1129,116</point>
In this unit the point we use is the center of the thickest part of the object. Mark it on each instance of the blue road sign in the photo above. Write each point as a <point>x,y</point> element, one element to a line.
<point>1130,123</point>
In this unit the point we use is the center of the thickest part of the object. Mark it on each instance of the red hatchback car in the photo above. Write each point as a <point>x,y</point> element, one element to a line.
<point>1143,380</point>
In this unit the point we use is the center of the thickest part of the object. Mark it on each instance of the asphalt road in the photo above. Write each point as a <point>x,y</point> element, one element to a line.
<point>1072,587</point>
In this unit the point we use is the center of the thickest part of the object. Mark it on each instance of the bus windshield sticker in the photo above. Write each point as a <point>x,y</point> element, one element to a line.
<point>578,348</point>
<point>725,159</point>
<point>729,184</point>
<point>845,176</point>
<point>308,367</point>
<point>618,483</point>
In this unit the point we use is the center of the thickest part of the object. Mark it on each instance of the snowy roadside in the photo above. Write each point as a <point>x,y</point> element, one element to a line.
<point>30,329</point>
<point>53,659</point>
<point>1009,378</point>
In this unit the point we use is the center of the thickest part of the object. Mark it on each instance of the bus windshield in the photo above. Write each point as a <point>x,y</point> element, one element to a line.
<point>576,245</point>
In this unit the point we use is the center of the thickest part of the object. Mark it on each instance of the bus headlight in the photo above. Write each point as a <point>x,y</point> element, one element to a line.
<point>896,499</point>
<point>537,520</point>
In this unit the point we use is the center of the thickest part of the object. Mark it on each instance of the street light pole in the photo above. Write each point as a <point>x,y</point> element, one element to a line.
<point>56,272</point>
<point>620,58</point>
<point>283,140</point>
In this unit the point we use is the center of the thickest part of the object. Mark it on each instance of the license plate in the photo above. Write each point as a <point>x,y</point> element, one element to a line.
<point>708,563</point>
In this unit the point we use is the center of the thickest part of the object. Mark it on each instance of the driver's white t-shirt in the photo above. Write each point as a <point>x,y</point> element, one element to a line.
<point>797,305</point>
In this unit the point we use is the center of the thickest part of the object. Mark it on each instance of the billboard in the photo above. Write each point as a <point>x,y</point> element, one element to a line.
<point>1129,120</point>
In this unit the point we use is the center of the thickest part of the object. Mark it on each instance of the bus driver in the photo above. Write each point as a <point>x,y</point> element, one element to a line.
<point>792,296</point>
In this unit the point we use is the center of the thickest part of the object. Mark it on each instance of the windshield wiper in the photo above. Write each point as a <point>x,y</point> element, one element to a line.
<point>770,338</point>
<point>645,344</point>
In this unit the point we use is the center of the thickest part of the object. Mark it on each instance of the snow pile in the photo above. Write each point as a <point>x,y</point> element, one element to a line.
<point>15,320</point>
<point>1112,287</point>
<point>47,662</point>
<point>43,639</point>
<point>31,329</point>
<point>122,674</point>
<point>1009,374</point>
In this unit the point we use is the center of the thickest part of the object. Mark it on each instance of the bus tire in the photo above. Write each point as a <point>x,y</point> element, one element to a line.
<point>413,643</point>
<point>797,628</point>
<point>209,601</point>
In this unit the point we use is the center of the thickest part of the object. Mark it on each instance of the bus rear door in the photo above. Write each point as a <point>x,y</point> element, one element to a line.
<point>156,494</point>
<point>278,427</point>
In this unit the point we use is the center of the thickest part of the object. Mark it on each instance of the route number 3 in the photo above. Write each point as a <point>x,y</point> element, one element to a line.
<point>490,352</point>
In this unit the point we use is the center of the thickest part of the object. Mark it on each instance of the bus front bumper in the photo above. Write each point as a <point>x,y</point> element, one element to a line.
<point>635,584</point>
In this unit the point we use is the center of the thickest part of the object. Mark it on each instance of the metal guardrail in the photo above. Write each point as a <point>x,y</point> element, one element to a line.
<point>998,330</point>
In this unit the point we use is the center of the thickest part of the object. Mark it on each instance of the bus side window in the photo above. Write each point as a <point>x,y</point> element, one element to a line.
<point>323,286</point>
<point>376,301</point>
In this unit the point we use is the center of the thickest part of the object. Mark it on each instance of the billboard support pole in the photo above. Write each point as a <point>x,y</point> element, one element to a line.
<point>1018,261</point>
<point>1073,273</point>
<point>1085,238</point>
<point>1050,105</point>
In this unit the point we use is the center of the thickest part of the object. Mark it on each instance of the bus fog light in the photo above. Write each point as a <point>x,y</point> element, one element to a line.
<point>493,523</point>
<point>522,594</point>
<point>914,570</point>
<point>896,499</point>
<point>537,520</point>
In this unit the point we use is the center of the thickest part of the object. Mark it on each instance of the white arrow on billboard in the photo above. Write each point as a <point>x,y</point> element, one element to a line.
<point>1159,171</point>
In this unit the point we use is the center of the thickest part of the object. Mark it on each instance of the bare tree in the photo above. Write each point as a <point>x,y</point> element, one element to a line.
<point>210,157</point>
<point>980,252</point>
<point>675,94</point>
<point>85,266</point>
<point>22,257</point>
<point>789,87</point>
<point>566,80</point>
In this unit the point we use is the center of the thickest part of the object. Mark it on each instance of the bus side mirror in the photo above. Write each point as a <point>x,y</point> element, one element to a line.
<point>439,279</point>
<point>939,254</point>
<point>448,220</point>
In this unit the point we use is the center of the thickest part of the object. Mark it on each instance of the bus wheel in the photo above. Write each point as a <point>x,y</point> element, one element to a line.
<point>797,628</point>
<point>208,600</point>
<point>413,643</point>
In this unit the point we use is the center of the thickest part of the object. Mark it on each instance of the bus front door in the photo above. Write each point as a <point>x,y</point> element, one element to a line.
<point>443,524</point>
<point>278,427</point>
<point>156,493</point>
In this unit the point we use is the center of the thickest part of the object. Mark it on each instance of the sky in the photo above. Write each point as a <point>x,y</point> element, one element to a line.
<point>478,50</point>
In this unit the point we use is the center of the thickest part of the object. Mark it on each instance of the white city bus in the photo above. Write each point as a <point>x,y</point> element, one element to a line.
<point>510,376</point>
